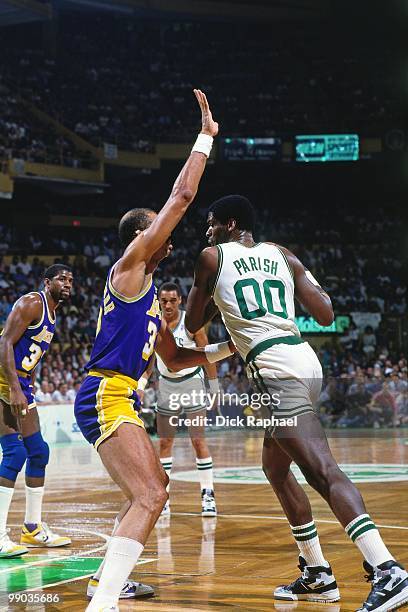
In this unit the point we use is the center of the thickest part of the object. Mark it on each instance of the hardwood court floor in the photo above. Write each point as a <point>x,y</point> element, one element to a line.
<point>232,562</point>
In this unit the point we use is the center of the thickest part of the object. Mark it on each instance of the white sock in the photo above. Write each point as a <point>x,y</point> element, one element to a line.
<point>205,470</point>
<point>6,494</point>
<point>120,559</point>
<point>98,573</point>
<point>34,498</point>
<point>308,543</point>
<point>366,536</point>
<point>167,463</point>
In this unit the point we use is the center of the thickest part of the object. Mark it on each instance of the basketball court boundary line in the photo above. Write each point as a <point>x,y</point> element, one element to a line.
<point>277,518</point>
<point>105,537</point>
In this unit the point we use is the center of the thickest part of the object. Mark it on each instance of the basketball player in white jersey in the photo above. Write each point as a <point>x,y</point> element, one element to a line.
<point>254,285</point>
<point>183,393</point>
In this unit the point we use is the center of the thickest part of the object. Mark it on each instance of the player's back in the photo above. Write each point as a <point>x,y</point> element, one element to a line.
<point>254,291</point>
<point>126,331</point>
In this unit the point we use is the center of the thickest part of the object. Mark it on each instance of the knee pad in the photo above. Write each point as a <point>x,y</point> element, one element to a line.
<point>14,456</point>
<point>38,453</point>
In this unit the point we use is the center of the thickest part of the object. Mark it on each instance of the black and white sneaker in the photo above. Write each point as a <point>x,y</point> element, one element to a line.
<point>208,507</point>
<point>316,583</point>
<point>389,589</point>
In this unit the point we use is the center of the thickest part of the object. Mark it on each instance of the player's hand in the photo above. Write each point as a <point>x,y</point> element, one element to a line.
<point>141,395</point>
<point>209,126</point>
<point>18,404</point>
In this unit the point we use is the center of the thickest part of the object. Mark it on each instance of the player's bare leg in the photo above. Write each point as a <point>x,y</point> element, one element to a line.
<point>14,457</point>
<point>314,567</point>
<point>132,463</point>
<point>204,464</point>
<point>293,499</point>
<point>130,589</point>
<point>166,432</point>
<point>307,446</point>
<point>25,446</point>
<point>35,532</point>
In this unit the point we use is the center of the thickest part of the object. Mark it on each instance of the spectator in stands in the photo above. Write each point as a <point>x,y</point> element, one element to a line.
<point>60,395</point>
<point>383,407</point>
<point>42,394</point>
<point>368,341</point>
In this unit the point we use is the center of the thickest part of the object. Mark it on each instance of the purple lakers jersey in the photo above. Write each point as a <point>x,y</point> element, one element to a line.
<point>35,340</point>
<point>126,332</point>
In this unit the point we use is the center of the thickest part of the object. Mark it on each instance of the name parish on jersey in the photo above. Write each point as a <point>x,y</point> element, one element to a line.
<point>256,264</point>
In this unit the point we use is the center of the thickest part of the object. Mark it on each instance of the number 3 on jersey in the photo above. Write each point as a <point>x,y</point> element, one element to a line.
<point>269,298</point>
<point>149,346</point>
<point>30,362</point>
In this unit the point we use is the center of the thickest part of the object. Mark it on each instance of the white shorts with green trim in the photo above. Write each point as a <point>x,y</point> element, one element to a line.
<point>181,396</point>
<point>291,375</point>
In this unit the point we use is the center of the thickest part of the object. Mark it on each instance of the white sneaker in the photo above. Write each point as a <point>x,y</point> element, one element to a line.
<point>208,507</point>
<point>166,509</point>
<point>130,589</point>
<point>389,589</point>
<point>316,583</point>
<point>42,537</point>
<point>9,549</point>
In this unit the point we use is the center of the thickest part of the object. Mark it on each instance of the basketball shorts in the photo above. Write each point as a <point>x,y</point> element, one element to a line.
<point>186,394</point>
<point>292,377</point>
<point>105,401</point>
<point>26,387</point>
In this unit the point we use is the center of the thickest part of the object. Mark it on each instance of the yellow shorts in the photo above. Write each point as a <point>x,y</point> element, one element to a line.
<point>106,400</point>
<point>26,387</point>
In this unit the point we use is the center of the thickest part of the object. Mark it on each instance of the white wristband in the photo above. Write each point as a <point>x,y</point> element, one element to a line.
<point>142,382</point>
<point>203,144</point>
<point>214,385</point>
<point>216,352</point>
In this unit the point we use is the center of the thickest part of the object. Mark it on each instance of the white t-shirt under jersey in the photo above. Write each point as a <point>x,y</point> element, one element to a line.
<point>254,291</point>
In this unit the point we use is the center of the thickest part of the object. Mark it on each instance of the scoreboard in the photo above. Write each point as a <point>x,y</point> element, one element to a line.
<point>251,149</point>
<point>327,148</point>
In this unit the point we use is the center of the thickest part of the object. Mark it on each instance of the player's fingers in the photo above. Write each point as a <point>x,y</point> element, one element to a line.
<point>198,95</point>
<point>205,101</point>
<point>201,99</point>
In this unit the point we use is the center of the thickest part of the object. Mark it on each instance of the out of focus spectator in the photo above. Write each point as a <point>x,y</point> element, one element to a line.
<point>61,395</point>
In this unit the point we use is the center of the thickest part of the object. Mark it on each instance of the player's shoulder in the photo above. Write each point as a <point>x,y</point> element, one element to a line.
<point>30,300</point>
<point>278,246</point>
<point>208,258</point>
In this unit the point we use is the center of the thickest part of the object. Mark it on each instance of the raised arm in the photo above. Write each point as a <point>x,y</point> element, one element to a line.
<point>200,305</point>
<point>27,310</point>
<point>182,195</point>
<point>309,293</point>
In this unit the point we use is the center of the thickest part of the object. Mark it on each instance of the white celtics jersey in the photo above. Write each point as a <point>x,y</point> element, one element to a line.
<point>254,291</point>
<point>182,338</point>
